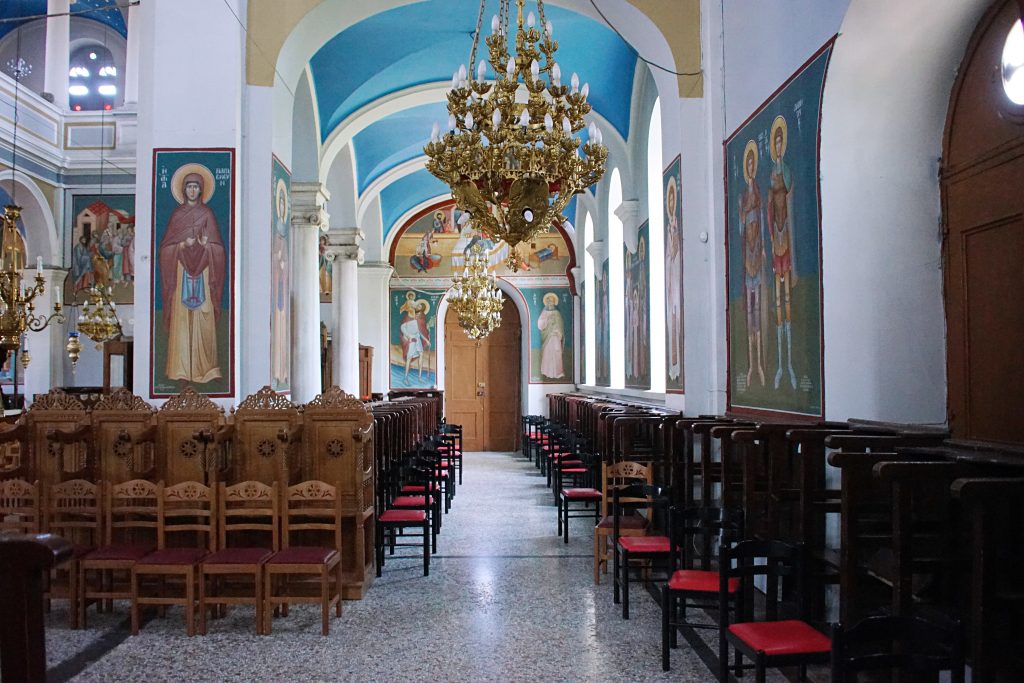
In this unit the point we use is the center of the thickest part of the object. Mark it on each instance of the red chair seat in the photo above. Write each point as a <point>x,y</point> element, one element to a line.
<point>627,522</point>
<point>120,552</point>
<point>776,638</point>
<point>238,556</point>
<point>581,494</point>
<point>417,489</point>
<point>644,545</point>
<point>574,470</point>
<point>79,551</point>
<point>408,516</point>
<point>700,581</point>
<point>174,556</point>
<point>303,555</point>
<point>410,501</point>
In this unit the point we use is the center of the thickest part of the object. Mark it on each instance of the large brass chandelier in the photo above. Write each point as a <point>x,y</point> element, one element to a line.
<point>511,154</point>
<point>475,296</point>
<point>98,318</point>
<point>17,302</point>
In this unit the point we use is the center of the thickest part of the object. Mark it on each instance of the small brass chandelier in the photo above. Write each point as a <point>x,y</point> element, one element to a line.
<point>475,296</point>
<point>511,155</point>
<point>98,318</point>
<point>17,303</point>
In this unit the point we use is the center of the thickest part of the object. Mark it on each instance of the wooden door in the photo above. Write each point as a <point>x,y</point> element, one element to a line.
<point>983,206</point>
<point>482,382</point>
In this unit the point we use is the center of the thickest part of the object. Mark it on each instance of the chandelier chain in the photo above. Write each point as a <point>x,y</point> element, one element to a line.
<point>476,34</point>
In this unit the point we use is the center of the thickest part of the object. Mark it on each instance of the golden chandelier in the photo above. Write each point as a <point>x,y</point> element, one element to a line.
<point>98,319</point>
<point>475,296</point>
<point>511,155</point>
<point>17,310</point>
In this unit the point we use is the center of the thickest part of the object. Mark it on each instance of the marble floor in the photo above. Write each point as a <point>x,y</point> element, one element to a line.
<point>506,600</point>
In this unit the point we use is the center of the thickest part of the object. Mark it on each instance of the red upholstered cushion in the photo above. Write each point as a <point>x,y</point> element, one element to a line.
<point>625,522</point>
<point>79,551</point>
<point>781,637</point>
<point>581,494</point>
<point>238,556</point>
<point>303,555</point>
<point>398,516</point>
<point>409,501</point>
<point>417,489</point>
<point>699,580</point>
<point>120,552</point>
<point>644,544</point>
<point>574,470</point>
<point>174,556</point>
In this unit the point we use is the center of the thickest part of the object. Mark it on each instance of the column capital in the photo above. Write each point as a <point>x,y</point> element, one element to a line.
<point>577,276</point>
<point>598,249</point>
<point>629,213</point>
<point>345,243</point>
<point>376,269</point>
<point>308,206</point>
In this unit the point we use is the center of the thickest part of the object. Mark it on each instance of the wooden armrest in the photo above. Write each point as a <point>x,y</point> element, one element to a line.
<point>916,470</point>
<point>81,432</point>
<point>362,434</point>
<point>221,435</point>
<point>742,435</point>
<point>856,459</point>
<point>290,435</point>
<point>975,490</point>
<point>147,435</point>
<point>13,432</point>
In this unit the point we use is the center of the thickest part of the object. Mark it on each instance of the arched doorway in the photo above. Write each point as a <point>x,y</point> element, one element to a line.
<point>482,381</point>
<point>983,213</point>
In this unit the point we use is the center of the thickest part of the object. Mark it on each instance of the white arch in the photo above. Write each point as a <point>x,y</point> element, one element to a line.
<point>881,138</point>
<point>34,213</point>
<point>305,156</point>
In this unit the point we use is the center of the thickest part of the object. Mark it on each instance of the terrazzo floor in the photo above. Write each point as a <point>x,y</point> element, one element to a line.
<point>506,600</point>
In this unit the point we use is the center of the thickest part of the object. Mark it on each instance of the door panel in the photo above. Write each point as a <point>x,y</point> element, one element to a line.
<point>502,390</point>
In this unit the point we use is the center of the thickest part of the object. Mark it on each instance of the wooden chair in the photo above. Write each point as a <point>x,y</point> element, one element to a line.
<point>393,523</point>
<point>244,511</point>
<point>185,513</point>
<point>771,642</point>
<point>311,508</point>
<point>581,491</point>
<point>613,477</point>
<point>20,506</point>
<point>73,511</point>
<point>633,551</point>
<point>895,643</point>
<point>131,510</point>
<point>693,581</point>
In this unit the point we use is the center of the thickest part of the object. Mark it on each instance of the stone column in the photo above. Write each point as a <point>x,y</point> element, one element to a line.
<point>345,254</point>
<point>309,220</point>
<point>46,347</point>
<point>131,68</point>
<point>375,319</point>
<point>58,51</point>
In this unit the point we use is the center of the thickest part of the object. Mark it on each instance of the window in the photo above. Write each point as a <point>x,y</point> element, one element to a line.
<point>589,303</point>
<point>657,250</point>
<point>616,300</point>
<point>1013,64</point>
<point>92,79</point>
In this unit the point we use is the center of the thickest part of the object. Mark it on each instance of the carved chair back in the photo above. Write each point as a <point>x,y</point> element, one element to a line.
<point>249,514</point>
<point>312,516</point>
<point>187,517</point>
<point>74,511</point>
<point>20,506</point>
<point>132,511</point>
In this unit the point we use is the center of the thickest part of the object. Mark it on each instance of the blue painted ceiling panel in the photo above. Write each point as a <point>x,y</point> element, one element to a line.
<point>407,193</point>
<point>103,11</point>
<point>393,140</point>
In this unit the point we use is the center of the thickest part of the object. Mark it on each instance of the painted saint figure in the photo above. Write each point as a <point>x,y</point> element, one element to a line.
<point>751,213</point>
<point>674,281</point>
<point>81,264</point>
<point>780,225</point>
<point>128,253</point>
<point>193,264</point>
<point>325,268</point>
<point>552,338</point>
<point>279,321</point>
<point>414,333</point>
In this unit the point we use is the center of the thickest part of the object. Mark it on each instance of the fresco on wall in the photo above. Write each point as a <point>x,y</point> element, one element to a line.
<point>673,221</point>
<point>774,250</point>
<point>637,277</point>
<point>102,246</point>
<point>325,270</point>
<point>551,337</point>
<point>193,271</point>
<point>583,332</point>
<point>436,244</point>
<point>413,351</point>
<point>280,277</point>
<point>603,353</point>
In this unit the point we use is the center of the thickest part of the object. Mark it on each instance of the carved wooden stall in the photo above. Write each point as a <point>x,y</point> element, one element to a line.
<point>183,437</point>
<point>55,435</point>
<point>256,451</point>
<point>117,420</point>
<point>336,440</point>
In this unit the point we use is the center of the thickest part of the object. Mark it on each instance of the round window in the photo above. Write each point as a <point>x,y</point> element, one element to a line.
<point>1013,64</point>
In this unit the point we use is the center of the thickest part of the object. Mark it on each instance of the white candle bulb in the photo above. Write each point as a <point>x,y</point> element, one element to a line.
<point>549,28</point>
<point>535,69</point>
<point>452,122</point>
<point>556,74</point>
<point>590,131</point>
<point>600,135</point>
<point>574,82</point>
<point>524,119</point>
<point>548,122</point>
<point>585,90</point>
<point>496,118</point>
<point>469,120</point>
<point>566,128</point>
<point>481,70</point>
<point>435,131</point>
<point>531,20</point>
<point>495,24</point>
<point>39,265</point>
<point>510,68</point>
<point>462,72</point>
<point>455,80</point>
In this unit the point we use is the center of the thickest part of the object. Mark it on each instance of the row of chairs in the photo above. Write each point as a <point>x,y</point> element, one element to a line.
<point>248,543</point>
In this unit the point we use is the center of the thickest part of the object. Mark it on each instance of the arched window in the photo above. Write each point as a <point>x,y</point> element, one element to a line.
<point>657,250</point>
<point>616,300</point>
<point>92,79</point>
<point>589,303</point>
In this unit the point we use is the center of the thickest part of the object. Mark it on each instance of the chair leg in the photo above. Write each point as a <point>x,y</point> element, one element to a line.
<point>666,607</point>
<point>325,602</point>
<point>723,657</point>
<point>190,602</point>
<point>258,599</point>
<point>341,586</point>
<point>761,670</point>
<point>268,612</point>
<point>135,603</point>
<point>203,605</point>
<point>597,557</point>
<point>616,588</point>
<point>426,551</point>
<point>624,568</point>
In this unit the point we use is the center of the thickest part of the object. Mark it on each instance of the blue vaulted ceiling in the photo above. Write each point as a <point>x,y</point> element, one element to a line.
<point>103,11</point>
<point>423,43</point>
